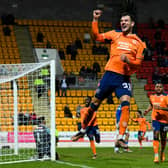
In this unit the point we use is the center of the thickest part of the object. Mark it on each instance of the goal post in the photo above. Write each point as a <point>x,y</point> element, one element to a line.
<point>27,112</point>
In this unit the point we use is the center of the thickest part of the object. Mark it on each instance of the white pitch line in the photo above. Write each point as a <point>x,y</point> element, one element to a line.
<point>74,165</point>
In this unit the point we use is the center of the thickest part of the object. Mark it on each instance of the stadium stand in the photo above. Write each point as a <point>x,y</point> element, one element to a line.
<point>60,34</point>
<point>25,106</point>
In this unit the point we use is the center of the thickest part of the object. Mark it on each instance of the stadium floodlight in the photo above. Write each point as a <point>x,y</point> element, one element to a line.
<point>27,112</point>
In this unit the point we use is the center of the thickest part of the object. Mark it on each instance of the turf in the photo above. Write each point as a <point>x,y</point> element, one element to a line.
<point>82,157</point>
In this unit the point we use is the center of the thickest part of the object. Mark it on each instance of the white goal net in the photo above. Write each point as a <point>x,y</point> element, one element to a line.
<point>27,112</point>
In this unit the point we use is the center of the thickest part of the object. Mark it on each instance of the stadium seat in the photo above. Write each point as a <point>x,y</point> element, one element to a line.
<point>72,107</point>
<point>10,128</point>
<point>61,114</point>
<point>108,114</point>
<point>63,100</point>
<point>84,93</point>
<point>69,100</point>
<point>81,100</point>
<point>79,93</point>
<point>111,121</point>
<point>63,121</point>
<point>74,100</point>
<point>73,112</point>
<point>73,92</point>
<point>29,128</point>
<point>112,107</point>
<point>58,121</point>
<point>100,121</point>
<point>106,107</point>
<point>115,100</point>
<point>75,121</point>
<point>102,127</point>
<point>73,128</point>
<point>102,114</point>
<point>65,128</point>
<point>105,121</point>
<point>68,93</point>
<point>100,108</point>
<point>108,128</point>
<point>22,128</point>
<point>59,127</point>
<point>132,101</point>
<point>4,128</point>
<point>59,107</point>
<point>90,93</point>
<point>69,121</point>
<point>134,107</point>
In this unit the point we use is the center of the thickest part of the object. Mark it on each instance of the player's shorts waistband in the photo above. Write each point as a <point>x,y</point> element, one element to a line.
<point>115,73</point>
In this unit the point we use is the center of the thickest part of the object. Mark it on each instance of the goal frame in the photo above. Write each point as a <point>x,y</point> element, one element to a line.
<point>51,63</point>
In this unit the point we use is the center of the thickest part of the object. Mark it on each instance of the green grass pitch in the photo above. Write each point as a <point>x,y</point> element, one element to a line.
<point>82,157</point>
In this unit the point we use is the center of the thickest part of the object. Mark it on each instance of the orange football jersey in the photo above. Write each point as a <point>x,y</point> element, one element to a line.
<point>156,100</point>
<point>93,121</point>
<point>142,124</point>
<point>129,45</point>
<point>162,115</point>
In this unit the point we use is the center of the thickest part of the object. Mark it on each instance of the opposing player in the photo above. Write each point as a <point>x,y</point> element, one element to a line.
<point>126,56</point>
<point>126,135</point>
<point>42,138</point>
<point>142,126</point>
<point>159,122</point>
<point>92,130</point>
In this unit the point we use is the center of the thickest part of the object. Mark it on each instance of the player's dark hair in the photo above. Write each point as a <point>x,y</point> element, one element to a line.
<point>128,8</point>
<point>140,112</point>
<point>128,14</point>
<point>158,82</point>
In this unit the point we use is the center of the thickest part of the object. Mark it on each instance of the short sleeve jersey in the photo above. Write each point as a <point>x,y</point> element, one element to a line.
<point>142,124</point>
<point>163,114</point>
<point>129,45</point>
<point>93,121</point>
<point>156,100</point>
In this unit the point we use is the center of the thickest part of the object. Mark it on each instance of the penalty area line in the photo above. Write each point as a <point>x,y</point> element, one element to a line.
<point>72,164</point>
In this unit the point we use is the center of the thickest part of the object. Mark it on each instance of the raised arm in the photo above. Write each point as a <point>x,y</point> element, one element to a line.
<point>95,30</point>
<point>96,14</point>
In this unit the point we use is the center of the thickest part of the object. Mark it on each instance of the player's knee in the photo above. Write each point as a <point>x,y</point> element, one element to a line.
<point>125,103</point>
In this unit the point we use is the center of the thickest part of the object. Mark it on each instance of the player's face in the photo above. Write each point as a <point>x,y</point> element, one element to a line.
<point>159,88</point>
<point>126,24</point>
